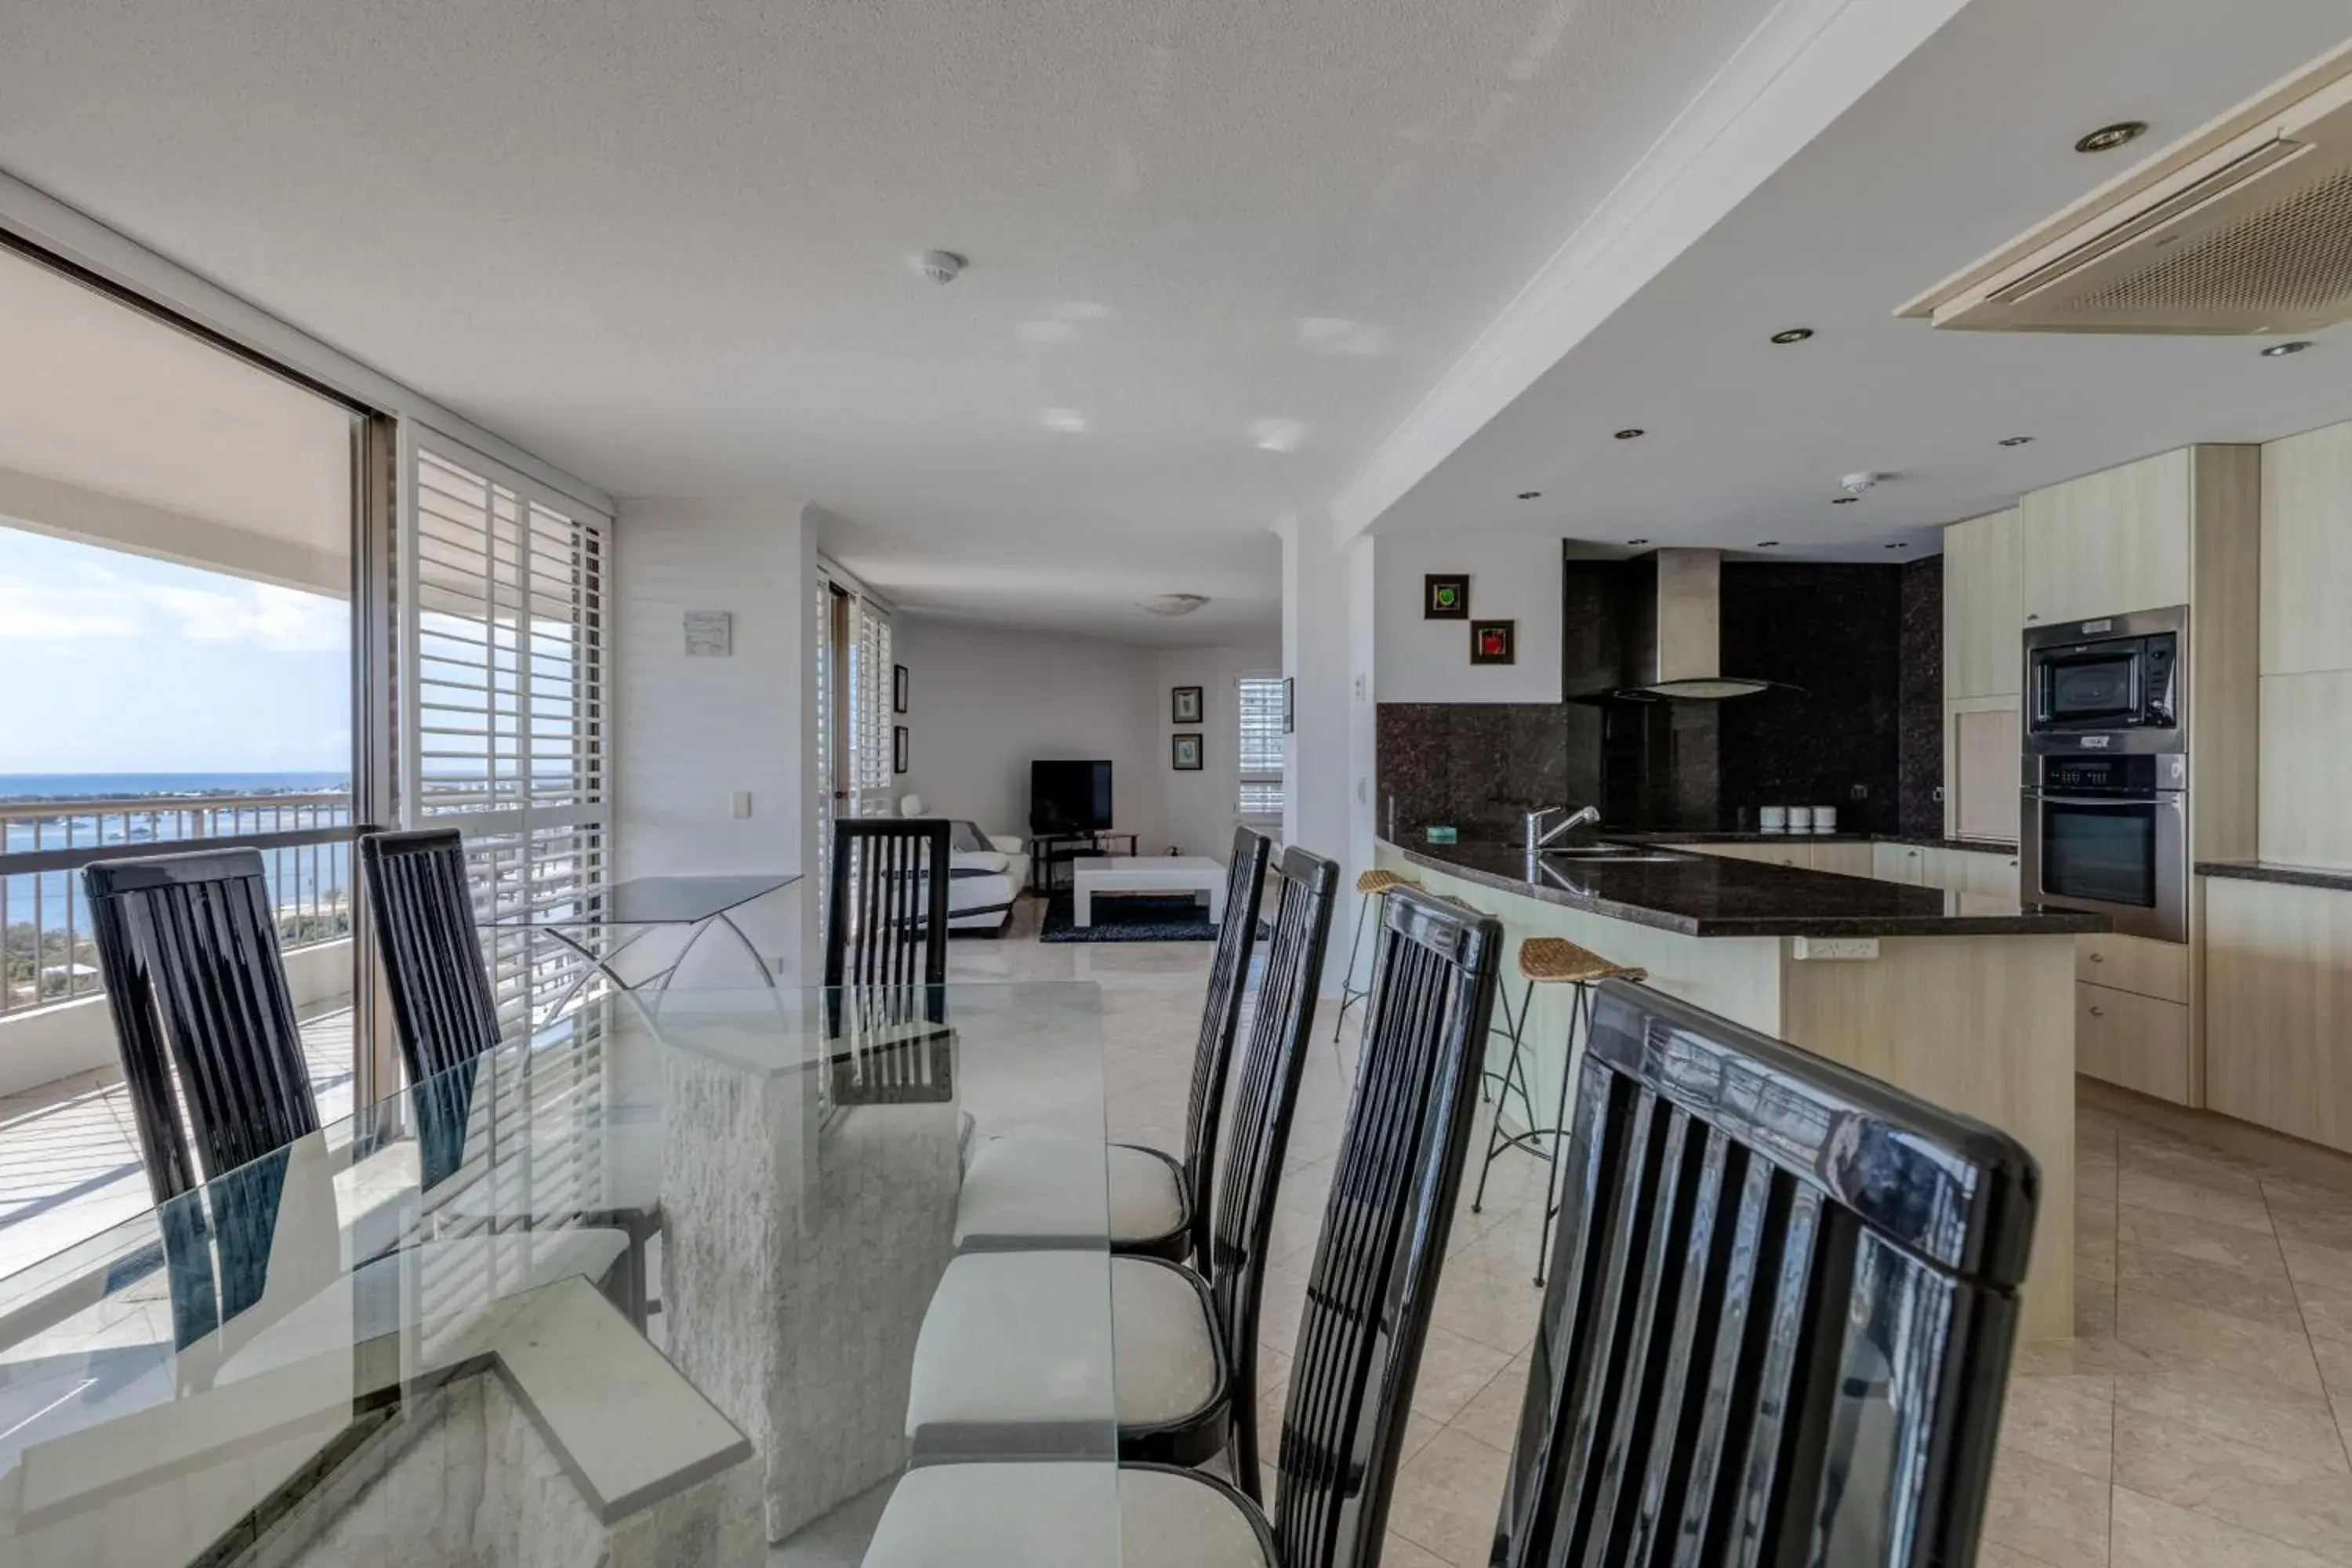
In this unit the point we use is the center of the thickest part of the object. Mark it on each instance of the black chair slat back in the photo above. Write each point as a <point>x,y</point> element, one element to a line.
<point>1220,1016</point>
<point>439,984</point>
<point>1264,1103</point>
<point>887,917</point>
<point>1780,1323</point>
<point>188,948</point>
<point>1374,1278</point>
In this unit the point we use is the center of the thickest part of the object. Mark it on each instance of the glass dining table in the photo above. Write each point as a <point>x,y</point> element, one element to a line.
<point>645,1287</point>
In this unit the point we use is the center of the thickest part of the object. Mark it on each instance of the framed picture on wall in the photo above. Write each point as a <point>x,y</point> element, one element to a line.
<point>897,688</point>
<point>1494,642</point>
<point>1445,596</point>
<point>897,748</point>
<point>1184,754</point>
<point>1185,705</point>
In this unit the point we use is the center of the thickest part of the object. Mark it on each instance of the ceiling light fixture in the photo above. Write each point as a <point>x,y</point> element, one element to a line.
<point>1530,495</point>
<point>1843,500</point>
<point>1630,432</point>
<point>1637,542</point>
<point>2107,138</point>
<point>2016,440</point>
<point>1767,544</point>
<point>940,266</point>
<point>1792,335</point>
<point>2280,351</point>
<point>1898,547</point>
<point>1173,603</point>
<point>1062,421</point>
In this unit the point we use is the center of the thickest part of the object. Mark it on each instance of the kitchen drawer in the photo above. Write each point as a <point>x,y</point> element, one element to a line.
<point>1847,859</point>
<point>2134,1042</point>
<point>2159,969</point>
<point>1896,863</point>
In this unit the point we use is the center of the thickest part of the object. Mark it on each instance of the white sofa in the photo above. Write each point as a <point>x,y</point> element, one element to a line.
<point>984,883</point>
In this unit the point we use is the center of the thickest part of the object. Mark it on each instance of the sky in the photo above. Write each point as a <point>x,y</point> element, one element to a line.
<point>115,663</point>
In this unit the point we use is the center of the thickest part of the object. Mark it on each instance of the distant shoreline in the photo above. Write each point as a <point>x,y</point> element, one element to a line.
<point>81,787</point>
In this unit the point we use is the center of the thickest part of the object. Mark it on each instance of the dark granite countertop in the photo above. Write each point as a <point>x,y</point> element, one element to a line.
<point>2271,871</point>
<point>1925,841</point>
<point>1700,895</point>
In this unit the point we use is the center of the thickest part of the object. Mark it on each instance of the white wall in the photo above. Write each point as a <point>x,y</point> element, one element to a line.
<point>1201,809</point>
<point>982,704</point>
<point>1514,576</point>
<point>689,732</point>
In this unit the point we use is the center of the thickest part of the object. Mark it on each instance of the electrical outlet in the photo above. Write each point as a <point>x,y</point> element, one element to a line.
<point>741,803</point>
<point>1837,947</point>
<point>1860,792</point>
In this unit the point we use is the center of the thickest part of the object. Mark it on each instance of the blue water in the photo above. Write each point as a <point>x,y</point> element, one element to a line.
<point>118,786</point>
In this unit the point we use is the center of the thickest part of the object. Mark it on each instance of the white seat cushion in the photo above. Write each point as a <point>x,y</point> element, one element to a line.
<point>993,861</point>
<point>1020,1338</point>
<point>1037,1189</point>
<point>1062,1516</point>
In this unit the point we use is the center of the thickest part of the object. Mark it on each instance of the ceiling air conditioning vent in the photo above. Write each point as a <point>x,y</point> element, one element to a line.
<point>2245,227</point>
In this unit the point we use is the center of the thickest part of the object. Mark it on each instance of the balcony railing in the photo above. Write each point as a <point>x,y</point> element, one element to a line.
<point>47,955</point>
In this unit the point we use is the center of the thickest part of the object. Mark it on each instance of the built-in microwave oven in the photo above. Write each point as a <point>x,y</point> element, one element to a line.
<point>2113,684</point>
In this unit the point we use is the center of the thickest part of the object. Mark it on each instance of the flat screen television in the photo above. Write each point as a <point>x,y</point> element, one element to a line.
<point>1069,797</point>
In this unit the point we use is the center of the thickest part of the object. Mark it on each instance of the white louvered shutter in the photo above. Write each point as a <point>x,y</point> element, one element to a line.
<point>1259,745</point>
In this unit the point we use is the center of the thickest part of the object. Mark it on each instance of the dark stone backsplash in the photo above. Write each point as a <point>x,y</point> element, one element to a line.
<point>1476,765</point>
<point>1858,652</point>
<point>1920,744</point>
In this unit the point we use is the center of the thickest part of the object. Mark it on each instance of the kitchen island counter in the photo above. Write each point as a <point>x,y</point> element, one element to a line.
<point>1697,895</point>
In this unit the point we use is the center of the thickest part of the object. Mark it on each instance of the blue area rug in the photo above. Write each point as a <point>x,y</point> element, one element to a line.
<point>1131,917</point>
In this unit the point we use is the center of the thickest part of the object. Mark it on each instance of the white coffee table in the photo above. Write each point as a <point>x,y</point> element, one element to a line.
<point>1092,874</point>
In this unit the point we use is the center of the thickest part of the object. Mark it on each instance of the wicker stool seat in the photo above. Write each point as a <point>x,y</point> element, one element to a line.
<point>1556,961</point>
<point>1543,960</point>
<point>1373,882</point>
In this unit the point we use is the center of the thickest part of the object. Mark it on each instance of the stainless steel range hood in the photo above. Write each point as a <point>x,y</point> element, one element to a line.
<point>1649,628</point>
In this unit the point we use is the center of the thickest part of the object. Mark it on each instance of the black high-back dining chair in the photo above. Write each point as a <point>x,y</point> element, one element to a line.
<point>887,915</point>
<point>443,1008</point>
<point>1369,1298</point>
<point>1265,1102</point>
<point>1393,1187</point>
<point>188,945</point>
<point>1221,1018</point>
<point>1781,1327</point>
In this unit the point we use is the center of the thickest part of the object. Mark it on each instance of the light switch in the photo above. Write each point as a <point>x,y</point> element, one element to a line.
<point>742,803</point>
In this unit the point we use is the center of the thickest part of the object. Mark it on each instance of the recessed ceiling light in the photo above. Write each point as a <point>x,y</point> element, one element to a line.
<point>1637,542</point>
<point>2016,440</point>
<point>1530,495</point>
<point>1898,547</point>
<point>1843,500</point>
<point>2107,138</point>
<point>1062,421</point>
<point>2280,351</point>
<point>1767,544</point>
<point>940,266</point>
<point>1792,335</point>
<point>1629,432</point>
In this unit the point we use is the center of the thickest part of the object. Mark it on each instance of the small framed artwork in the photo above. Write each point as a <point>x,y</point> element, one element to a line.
<point>1494,642</point>
<point>897,748</point>
<point>897,688</point>
<point>1185,705</point>
<point>1445,596</point>
<point>710,633</point>
<point>1289,705</point>
<point>1184,754</point>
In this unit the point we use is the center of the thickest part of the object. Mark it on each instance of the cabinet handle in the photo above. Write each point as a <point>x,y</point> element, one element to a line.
<point>2097,1011</point>
<point>2033,618</point>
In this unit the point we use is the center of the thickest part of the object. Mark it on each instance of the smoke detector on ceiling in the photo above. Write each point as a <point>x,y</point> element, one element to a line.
<point>1860,484</point>
<point>1173,603</point>
<point>2244,225</point>
<point>940,266</point>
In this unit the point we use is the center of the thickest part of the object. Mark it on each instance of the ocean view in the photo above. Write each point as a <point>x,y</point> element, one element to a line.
<point>122,787</point>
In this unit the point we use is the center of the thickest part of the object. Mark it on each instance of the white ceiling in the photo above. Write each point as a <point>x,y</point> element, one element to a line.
<point>667,248</point>
<point>104,399</point>
<point>1964,145</point>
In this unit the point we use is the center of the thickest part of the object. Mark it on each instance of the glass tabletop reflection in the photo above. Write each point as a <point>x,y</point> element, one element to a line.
<point>657,1268</point>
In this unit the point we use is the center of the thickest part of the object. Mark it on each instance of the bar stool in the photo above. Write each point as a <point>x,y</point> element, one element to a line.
<point>1370,885</point>
<point>1546,961</point>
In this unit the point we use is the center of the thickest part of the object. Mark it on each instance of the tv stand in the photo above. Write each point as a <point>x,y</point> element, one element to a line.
<point>1049,850</point>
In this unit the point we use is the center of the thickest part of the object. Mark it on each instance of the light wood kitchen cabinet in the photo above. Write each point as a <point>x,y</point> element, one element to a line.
<point>1981,871</point>
<point>1797,853</point>
<point>1898,863</point>
<point>1845,859</point>
<point>2137,1042</point>
<point>1984,608</point>
<point>2135,963</point>
<point>1982,742</point>
<point>2109,542</point>
<point>2278,1006</point>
